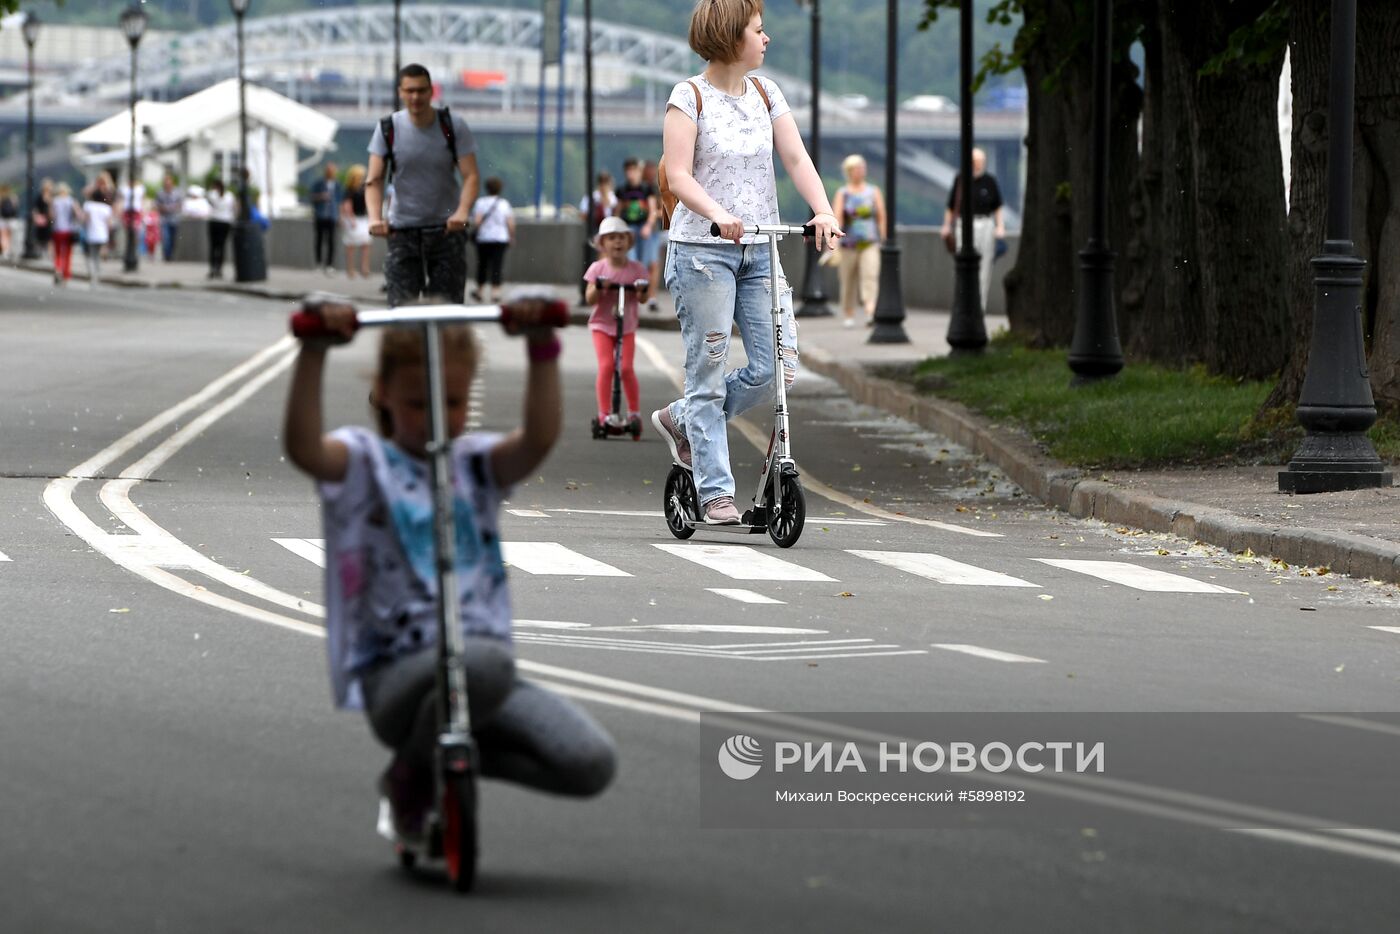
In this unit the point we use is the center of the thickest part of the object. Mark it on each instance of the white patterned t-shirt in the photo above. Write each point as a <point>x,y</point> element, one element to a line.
<point>733,155</point>
<point>381,583</point>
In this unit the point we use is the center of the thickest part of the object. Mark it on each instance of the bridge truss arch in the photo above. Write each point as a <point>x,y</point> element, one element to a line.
<point>363,36</point>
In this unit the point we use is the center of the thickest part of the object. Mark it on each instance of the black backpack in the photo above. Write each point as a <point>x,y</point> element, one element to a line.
<point>386,129</point>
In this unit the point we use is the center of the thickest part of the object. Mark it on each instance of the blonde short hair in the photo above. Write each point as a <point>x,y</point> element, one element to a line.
<point>717,27</point>
<point>850,162</point>
<point>355,176</point>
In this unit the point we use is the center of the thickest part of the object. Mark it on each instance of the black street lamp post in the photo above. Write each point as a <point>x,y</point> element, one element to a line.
<point>967,331</point>
<point>1335,405</point>
<point>30,30</point>
<point>889,306</point>
<point>133,24</point>
<point>813,298</point>
<point>398,25</point>
<point>249,261</point>
<point>1095,354</point>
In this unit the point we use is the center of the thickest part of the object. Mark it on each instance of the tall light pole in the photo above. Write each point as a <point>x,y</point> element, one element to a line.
<point>889,307</point>
<point>1095,353</point>
<point>30,30</point>
<point>1336,406</point>
<point>249,262</point>
<point>133,24</point>
<point>813,298</point>
<point>589,230</point>
<point>967,331</point>
<point>398,25</point>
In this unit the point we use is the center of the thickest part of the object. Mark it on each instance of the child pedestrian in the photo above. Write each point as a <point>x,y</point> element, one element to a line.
<point>380,578</point>
<point>97,216</point>
<point>614,241</point>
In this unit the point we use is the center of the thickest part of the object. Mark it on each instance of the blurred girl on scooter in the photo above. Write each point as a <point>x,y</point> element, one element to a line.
<point>380,580</point>
<point>722,128</point>
<point>613,241</point>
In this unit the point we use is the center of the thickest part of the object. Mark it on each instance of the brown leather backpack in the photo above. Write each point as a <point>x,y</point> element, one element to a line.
<point>665,196</point>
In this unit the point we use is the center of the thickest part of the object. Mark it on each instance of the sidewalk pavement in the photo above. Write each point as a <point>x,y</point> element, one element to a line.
<point>1237,508</point>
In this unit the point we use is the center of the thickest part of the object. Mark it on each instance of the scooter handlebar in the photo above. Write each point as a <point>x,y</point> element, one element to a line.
<point>641,285</point>
<point>806,230</point>
<point>308,323</point>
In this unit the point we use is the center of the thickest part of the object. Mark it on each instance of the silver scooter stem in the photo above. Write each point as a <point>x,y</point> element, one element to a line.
<point>452,677</point>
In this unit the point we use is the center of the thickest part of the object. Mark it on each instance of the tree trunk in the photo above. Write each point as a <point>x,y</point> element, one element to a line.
<point>1220,224</point>
<point>1040,290</point>
<point>1377,197</point>
<point>1143,306</point>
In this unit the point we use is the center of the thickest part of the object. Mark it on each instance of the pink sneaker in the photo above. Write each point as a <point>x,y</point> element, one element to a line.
<point>721,511</point>
<point>675,440</point>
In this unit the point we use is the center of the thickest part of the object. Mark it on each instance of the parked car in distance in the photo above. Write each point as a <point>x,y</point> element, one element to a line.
<point>929,103</point>
<point>854,101</point>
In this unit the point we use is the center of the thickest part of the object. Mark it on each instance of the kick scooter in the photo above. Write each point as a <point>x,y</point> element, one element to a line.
<point>450,830</point>
<point>616,423</point>
<point>779,506</point>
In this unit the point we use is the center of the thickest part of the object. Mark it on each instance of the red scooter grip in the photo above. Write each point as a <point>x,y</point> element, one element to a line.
<point>307,324</point>
<point>556,315</point>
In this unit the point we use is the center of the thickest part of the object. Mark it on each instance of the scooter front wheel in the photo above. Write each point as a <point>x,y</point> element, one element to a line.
<point>459,849</point>
<point>680,502</point>
<point>786,517</point>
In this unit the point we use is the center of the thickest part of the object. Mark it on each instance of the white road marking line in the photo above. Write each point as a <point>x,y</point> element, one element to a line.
<point>663,649</point>
<point>1139,578</point>
<point>4,557</point>
<point>548,624</point>
<point>1356,723</point>
<point>993,654</point>
<point>805,658</point>
<point>848,643</point>
<point>744,563</point>
<point>798,647</point>
<point>554,558</point>
<point>1394,629</point>
<point>704,627</point>
<point>638,513</point>
<point>1322,843</point>
<point>760,441</point>
<point>743,596</point>
<point>303,548</point>
<point>941,569</point>
<point>528,513</point>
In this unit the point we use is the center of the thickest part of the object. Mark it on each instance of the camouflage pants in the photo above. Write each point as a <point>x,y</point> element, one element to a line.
<point>426,261</point>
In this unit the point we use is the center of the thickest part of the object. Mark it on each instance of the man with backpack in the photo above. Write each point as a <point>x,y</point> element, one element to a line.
<point>424,148</point>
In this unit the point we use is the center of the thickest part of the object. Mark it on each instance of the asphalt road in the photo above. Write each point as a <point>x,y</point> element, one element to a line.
<point>170,760</point>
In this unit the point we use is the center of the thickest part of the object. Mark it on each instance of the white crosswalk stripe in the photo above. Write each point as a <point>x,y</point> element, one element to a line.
<point>312,549</point>
<point>941,569</point>
<point>4,557</point>
<point>744,563</point>
<point>554,558</point>
<point>749,652</point>
<point>1135,576</point>
<point>995,655</point>
<point>743,596</point>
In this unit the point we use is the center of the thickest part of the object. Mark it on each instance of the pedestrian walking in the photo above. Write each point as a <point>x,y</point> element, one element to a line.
<point>988,225</point>
<point>130,197</point>
<point>649,250</point>
<point>98,220</point>
<point>354,219</point>
<point>9,214</point>
<point>39,215</point>
<point>604,199</point>
<point>150,228</point>
<point>637,205</point>
<point>62,220</point>
<point>326,195</point>
<point>381,583</point>
<point>721,129</point>
<point>493,226</point>
<point>425,149</point>
<point>170,204</point>
<point>222,208</point>
<point>612,269</point>
<point>860,207</point>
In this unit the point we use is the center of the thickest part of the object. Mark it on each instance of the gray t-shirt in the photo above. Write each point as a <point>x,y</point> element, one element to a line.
<point>426,187</point>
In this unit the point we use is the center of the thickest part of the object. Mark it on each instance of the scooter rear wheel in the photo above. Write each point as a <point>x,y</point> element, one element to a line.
<point>680,502</point>
<point>786,518</point>
<point>459,849</point>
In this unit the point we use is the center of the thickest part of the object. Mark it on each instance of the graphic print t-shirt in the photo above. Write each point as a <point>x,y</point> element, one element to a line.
<point>632,203</point>
<point>381,587</point>
<point>733,156</point>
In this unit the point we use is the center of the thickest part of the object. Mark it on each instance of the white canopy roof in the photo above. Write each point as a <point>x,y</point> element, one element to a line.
<point>165,125</point>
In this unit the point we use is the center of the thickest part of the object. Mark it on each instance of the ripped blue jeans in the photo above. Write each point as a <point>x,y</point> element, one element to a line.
<point>716,287</point>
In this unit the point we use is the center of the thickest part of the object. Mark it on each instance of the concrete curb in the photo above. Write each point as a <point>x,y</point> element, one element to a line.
<point>1068,489</point>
